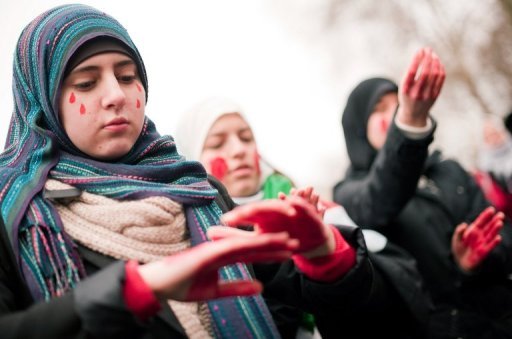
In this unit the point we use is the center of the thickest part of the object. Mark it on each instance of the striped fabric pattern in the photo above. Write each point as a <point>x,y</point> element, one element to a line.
<point>37,148</point>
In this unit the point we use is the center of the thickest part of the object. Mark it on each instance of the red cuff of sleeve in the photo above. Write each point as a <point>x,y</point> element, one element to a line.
<point>330,267</point>
<point>138,297</point>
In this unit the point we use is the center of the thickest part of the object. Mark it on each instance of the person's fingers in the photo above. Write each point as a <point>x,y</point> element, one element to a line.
<point>314,200</point>
<point>491,245</point>
<point>222,232</point>
<point>307,193</point>
<point>322,210</point>
<point>492,230</point>
<point>260,212</point>
<point>459,230</point>
<point>439,81</point>
<point>484,217</point>
<point>409,78</point>
<point>458,235</point>
<point>470,236</point>
<point>282,196</point>
<point>423,77</point>
<point>238,288</point>
<point>260,256</point>
<point>261,248</point>
<point>428,92</point>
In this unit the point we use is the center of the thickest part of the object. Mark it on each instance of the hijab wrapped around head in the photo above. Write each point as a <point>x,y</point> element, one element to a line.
<point>193,127</point>
<point>38,148</point>
<point>360,105</point>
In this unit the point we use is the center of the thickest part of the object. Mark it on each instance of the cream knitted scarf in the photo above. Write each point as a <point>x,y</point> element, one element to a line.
<point>144,230</point>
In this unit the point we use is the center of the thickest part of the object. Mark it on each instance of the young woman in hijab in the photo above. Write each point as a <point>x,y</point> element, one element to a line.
<point>217,133</point>
<point>429,206</point>
<point>98,211</point>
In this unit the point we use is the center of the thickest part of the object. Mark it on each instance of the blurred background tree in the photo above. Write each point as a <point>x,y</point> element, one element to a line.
<point>378,38</point>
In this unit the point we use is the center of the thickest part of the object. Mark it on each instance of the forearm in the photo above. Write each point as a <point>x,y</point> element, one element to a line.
<point>100,304</point>
<point>54,319</point>
<point>377,197</point>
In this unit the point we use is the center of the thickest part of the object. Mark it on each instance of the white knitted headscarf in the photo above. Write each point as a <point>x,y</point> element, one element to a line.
<point>194,125</point>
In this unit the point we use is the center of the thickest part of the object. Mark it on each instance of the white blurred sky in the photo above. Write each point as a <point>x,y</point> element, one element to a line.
<point>198,48</point>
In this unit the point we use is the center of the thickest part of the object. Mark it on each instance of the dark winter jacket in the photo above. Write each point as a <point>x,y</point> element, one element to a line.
<point>417,200</point>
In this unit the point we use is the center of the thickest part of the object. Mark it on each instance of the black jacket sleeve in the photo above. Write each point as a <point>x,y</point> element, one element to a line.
<point>374,198</point>
<point>94,309</point>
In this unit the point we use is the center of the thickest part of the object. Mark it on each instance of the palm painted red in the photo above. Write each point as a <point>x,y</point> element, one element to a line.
<point>192,275</point>
<point>471,244</point>
<point>293,215</point>
<point>420,87</point>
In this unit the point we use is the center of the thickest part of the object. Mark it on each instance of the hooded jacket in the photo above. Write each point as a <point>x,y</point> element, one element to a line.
<point>417,200</point>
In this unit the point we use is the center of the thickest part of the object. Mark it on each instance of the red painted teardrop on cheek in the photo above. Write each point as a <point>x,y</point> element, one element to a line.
<point>138,87</point>
<point>72,98</point>
<point>218,167</point>
<point>383,125</point>
<point>82,109</point>
<point>138,103</point>
<point>257,162</point>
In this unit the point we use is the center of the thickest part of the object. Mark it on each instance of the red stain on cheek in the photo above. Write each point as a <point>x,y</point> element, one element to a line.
<point>257,162</point>
<point>72,98</point>
<point>383,125</point>
<point>138,103</point>
<point>138,87</point>
<point>82,109</point>
<point>218,167</point>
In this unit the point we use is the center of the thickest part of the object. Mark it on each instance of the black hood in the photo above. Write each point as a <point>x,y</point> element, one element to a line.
<point>359,106</point>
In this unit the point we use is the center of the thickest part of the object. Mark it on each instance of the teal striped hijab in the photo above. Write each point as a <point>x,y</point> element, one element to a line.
<point>37,148</point>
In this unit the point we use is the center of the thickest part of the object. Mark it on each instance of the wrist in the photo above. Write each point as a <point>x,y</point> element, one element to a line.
<point>327,248</point>
<point>137,295</point>
<point>407,117</point>
<point>330,267</point>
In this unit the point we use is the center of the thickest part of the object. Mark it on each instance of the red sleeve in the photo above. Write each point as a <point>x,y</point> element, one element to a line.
<point>138,297</point>
<point>331,267</point>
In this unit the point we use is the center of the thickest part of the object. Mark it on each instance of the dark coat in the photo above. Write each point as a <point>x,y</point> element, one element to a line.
<point>417,200</point>
<point>95,308</point>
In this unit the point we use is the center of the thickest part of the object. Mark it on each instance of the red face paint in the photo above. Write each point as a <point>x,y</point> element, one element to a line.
<point>82,109</point>
<point>218,167</point>
<point>72,98</point>
<point>138,87</point>
<point>383,125</point>
<point>257,162</point>
<point>138,103</point>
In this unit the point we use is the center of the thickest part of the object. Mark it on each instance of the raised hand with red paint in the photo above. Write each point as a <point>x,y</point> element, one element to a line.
<point>192,275</point>
<point>472,243</point>
<point>420,88</point>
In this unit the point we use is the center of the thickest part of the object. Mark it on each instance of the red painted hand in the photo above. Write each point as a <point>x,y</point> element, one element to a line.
<point>471,244</point>
<point>310,196</point>
<point>420,88</point>
<point>192,275</point>
<point>293,215</point>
